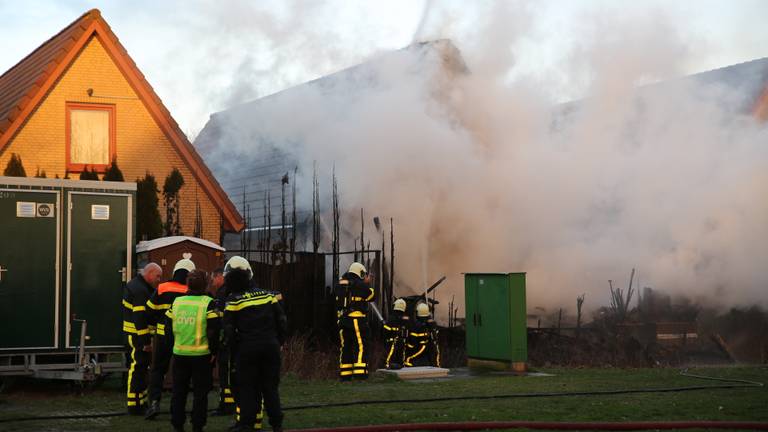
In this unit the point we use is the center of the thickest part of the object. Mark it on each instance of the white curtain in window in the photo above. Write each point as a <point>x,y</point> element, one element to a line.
<point>89,137</point>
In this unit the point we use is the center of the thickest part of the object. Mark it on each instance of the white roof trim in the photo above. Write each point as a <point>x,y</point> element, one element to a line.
<point>145,246</point>
<point>67,183</point>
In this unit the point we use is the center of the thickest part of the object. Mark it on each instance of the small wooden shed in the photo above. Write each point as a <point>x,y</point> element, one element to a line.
<point>166,251</point>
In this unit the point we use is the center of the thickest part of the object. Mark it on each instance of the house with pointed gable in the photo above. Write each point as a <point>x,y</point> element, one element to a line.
<point>79,101</point>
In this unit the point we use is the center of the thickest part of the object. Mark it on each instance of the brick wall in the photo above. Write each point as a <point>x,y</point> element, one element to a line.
<point>141,145</point>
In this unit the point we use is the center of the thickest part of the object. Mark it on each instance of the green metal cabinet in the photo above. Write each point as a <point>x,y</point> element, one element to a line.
<point>496,317</point>
<point>66,249</point>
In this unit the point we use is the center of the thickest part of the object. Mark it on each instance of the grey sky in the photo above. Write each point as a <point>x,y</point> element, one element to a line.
<point>203,56</point>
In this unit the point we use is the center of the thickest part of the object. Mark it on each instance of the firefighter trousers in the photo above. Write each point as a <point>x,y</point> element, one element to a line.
<point>353,358</point>
<point>197,370</point>
<point>138,370</point>
<point>258,373</point>
<point>162,350</point>
<point>395,348</point>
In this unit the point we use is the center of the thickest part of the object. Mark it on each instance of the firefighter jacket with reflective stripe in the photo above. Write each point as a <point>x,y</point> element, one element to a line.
<point>396,326</point>
<point>135,296</point>
<point>254,318</point>
<point>352,296</point>
<point>423,341</point>
<point>161,301</point>
<point>195,324</point>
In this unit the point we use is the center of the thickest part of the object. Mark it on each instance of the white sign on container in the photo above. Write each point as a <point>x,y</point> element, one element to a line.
<point>99,212</point>
<point>25,209</point>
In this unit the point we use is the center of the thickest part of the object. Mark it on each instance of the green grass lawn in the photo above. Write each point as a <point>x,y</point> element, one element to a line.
<point>32,399</point>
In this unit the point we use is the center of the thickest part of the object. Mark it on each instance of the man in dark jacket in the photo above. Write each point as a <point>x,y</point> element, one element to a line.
<point>255,328</point>
<point>157,306</point>
<point>353,292</point>
<point>224,362</point>
<point>135,296</point>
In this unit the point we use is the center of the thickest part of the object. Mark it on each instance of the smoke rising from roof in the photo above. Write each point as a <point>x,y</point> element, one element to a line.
<point>487,173</point>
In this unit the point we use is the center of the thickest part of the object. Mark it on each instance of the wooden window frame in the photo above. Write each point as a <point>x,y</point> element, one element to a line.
<point>79,167</point>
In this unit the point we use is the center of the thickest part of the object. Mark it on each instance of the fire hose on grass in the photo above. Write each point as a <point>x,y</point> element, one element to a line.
<point>491,425</point>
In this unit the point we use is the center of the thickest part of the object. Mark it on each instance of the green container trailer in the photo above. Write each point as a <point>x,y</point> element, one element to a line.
<point>496,320</point>
<point>66,249</point>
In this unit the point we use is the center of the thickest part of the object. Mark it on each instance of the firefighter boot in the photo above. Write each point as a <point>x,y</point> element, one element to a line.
<point>153,410</point>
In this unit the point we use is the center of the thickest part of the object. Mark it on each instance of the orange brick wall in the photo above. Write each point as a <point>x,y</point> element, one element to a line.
<point>141,145</point>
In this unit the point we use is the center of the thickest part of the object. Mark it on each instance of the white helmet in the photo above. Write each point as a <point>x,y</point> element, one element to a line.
<point>238,262</point>
<point>422,310</point>
<point>358,269</point>
<point>400,305</point>
<point>184,264</point>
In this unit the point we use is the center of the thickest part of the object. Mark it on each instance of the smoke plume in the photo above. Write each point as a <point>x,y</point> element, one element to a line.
<point>485,170</point>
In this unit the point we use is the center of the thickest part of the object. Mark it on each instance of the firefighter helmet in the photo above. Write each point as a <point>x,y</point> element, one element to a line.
<point>400,305</point>
<point>238,262</point>
<point>422,310</point>
<point>184,264</point>
<point>358,269</point>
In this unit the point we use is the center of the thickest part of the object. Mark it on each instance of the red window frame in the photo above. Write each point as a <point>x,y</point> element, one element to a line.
<point>79,167</point>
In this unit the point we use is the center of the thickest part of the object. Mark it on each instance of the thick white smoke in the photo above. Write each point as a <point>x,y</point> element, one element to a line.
<point>487,173</point>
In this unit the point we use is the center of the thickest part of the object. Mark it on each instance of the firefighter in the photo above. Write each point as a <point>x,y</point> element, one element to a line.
<point>422,348</point>
<point>224,358</point>
<point>255,327</point>
<point>135,296</point>
<point>395,332</point>
<point>195,325</point>
<point>157,306</point>
<point>353,293</point>
<point>217,281</point>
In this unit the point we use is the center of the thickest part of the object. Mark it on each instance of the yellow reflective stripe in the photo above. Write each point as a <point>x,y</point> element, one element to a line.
<point>346,365</point>
<point>127,305</point>
<point>192,347</point>
<point>419,334</point>
<point>356,314</point>
<point>131,403</point>
<point>157,307</point>
<point>169,313</point>
<point>132,330</point>
<point>227,391</point>
<point>361,365</point>
<point>132,368</point>
<point>418,353</point>
<point>252,302</point>
<point>251,297</point>
<point>358,371</point>
<point>391,351</point>
<point>345,373</point>
<point>370,297</point>
<point>212,314</point>
<point>199,323</point>
<point>129,324</point>
<point>229,400</point>
<point>358,298</point>
<point>359,343</point>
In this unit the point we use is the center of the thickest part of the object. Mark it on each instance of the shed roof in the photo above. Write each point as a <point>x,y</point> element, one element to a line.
<point>158,243</point>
